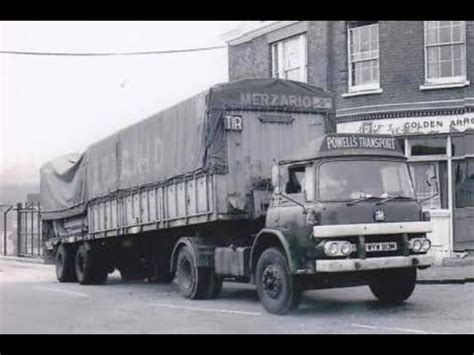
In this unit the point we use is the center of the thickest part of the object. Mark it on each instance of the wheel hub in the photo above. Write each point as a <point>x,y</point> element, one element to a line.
<point>272,281</point>
<point>185,274</point>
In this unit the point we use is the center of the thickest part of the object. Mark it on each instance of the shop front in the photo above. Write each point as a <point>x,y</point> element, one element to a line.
<point>440,150</point>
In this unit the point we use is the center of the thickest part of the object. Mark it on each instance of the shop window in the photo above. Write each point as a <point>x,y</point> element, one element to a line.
<point>363,49</point>
<point>462,145</point>
<point>429,178</point>
<point>428,146</point>
<point>464,183</point>
<point>445,52</point>
<point>289,58</point>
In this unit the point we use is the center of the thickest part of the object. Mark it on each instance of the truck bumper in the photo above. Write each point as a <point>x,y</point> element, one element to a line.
<point>373,263</point>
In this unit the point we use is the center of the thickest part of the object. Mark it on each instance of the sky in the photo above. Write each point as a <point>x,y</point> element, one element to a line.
<point>51,106</point>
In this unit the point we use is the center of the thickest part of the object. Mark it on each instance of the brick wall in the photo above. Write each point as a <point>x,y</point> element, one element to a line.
<point>401,64</point>
<point>401,67</point>
<point>253,59</point>
<point>250,59</point>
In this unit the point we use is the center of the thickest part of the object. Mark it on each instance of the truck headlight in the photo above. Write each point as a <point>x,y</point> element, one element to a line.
<point>331,249</point>
<point>338,248</point>
<point>346,248</point>
<point>420,244</point>
<point>426,244</point>
<point>416,245</point>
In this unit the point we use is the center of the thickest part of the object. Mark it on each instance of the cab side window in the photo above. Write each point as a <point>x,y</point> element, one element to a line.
<point>295,180</point>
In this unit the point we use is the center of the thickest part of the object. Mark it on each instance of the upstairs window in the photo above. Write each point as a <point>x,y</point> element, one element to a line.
<point>363,50</point>
<point>289,58</point>
<point>445,52</point>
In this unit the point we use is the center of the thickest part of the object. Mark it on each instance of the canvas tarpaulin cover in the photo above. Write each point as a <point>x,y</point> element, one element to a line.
<point>188,137</point>
<point>62,184</point>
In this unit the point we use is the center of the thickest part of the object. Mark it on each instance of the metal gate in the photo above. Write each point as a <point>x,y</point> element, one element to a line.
<point>29,230</point>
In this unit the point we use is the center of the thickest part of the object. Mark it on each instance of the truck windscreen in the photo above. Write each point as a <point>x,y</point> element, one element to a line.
<point>349,180</point>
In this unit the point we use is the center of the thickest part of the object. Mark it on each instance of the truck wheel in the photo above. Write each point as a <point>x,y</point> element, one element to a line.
<point>65,264</point>
<point>90,269</point>
<point>278,290</point>
<point>393,286</point>
<point>194,282</point>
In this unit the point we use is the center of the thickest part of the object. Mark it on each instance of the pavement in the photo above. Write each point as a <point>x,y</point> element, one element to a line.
<point>33,301</point>
<point>22,259</point>
<point>455,274</point>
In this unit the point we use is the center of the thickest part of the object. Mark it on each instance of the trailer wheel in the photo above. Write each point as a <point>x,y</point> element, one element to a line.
<point>278,290</point>
<point>195,282</point>
<point>65,264</point>
<point>90,269</point>
<point>393,286</point>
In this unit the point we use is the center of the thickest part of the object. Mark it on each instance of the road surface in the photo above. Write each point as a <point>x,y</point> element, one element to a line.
<point>33,301</point>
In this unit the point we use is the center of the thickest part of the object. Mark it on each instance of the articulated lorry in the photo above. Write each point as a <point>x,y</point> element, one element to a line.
<point>246,182</point>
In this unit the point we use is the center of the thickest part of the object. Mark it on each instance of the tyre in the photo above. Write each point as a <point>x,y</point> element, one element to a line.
<point>64,262</point>
<point>278,290</point>
<point>90,269</point>
<point>393,286</point>
<point>195,282</point>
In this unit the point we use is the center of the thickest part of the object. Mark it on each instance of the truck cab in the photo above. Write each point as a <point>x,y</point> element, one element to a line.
<point>346,208</point>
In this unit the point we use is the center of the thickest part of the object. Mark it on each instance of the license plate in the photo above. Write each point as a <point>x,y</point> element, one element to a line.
<point>384,246</point>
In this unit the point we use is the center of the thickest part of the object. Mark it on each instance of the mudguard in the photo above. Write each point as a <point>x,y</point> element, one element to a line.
<point>284,243</point>
<point>202,253</point>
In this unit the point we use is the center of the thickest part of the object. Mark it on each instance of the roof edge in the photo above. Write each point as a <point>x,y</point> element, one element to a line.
<point>239,36</point>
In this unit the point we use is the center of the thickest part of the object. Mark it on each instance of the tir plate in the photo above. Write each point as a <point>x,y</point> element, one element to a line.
<point>385,246</point>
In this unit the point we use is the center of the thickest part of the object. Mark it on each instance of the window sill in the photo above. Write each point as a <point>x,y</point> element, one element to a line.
<point>362,92</point>
<point>445,85</point>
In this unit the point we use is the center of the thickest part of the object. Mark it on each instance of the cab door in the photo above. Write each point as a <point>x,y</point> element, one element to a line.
<point>298,185</point>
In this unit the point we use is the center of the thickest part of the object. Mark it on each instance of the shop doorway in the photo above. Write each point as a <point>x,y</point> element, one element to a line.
<point>463,206</point>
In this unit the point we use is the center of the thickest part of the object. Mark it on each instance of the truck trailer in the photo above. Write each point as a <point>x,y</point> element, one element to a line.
<point>245,182</point>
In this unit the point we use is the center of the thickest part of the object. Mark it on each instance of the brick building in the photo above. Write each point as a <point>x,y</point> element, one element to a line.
<point>406,78</point>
